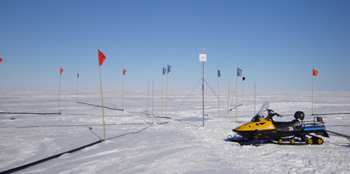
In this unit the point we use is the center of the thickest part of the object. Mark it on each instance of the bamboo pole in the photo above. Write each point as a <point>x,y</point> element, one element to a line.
<point>166,96</point>
<point>312,96</point>
<point>103,114</point>
<point>161,113</point>
<point>123,93</point>
<point>228,97</point>
<point>233,97</point>
<point>153,101</point>
<point>254,98</point>
<point>236,95</point>
<point>77,87</point>
<point>148,99</point>
<point>242,91</point>
<point>59,94</point>
<point>218,97</point>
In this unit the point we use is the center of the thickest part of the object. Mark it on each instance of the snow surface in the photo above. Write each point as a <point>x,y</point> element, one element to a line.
<point>177,145</point>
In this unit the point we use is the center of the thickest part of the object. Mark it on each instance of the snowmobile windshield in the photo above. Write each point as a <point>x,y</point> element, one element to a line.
<point>263,110</point>
<point>255,118</point>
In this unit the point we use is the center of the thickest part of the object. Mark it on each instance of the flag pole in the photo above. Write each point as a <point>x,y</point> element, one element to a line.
<point>242,90</point>
<point>166,96</point>
<point>148,98</point>
<point>103,114</point>
<point>161,113</point>
<point>233,97</point>
<point>236,95</point>
<point>218,96</point>
<point>254,98</point>
<point>228,97</point>
<point>59,93</point>
<point>77,87</point>
<point>312,96</point>
<point>123,92</point>
<point>153,101</point>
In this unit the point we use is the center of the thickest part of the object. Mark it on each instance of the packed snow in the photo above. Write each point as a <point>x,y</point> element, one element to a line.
<point>141,140</point>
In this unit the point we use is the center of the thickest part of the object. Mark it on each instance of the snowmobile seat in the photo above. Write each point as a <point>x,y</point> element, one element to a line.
<point>287,126</point>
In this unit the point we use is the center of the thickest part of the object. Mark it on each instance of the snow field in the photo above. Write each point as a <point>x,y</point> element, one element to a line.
<point>135,145</point>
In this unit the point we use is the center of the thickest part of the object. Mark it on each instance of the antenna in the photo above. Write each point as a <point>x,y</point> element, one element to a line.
<point>203,59</point>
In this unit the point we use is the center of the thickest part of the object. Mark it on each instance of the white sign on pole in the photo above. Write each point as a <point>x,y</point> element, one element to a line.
<point>202,57</point>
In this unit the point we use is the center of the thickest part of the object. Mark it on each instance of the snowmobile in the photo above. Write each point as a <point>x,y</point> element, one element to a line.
<point>264,128</point>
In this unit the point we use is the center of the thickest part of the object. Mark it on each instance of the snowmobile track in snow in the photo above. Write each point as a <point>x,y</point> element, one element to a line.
<point>47,159</point>
<point>30,113</point>
<point>116,109</point>
<point>70,151</point>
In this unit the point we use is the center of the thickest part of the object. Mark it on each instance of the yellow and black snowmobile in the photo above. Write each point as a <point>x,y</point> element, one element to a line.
<point>262,128</point>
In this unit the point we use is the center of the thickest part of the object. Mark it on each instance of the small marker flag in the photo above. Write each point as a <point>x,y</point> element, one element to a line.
<point>219,73</point>
<point>78,75</point>
<point>314,72</point>
<point>243,78</point>
<point>61,70</point>
<point>124,71</point>
<point>101,57</point>
<point>239,72</point>
<point>0,59</point>
<point>164,70</point>
<point>169,69</point>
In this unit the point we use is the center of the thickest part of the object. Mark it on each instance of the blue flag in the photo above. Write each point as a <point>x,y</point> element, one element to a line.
<point>164,70</point>
<point>239,72</point>
<point>219,74</point>
<point>169,69</point>
<point>78,75</point>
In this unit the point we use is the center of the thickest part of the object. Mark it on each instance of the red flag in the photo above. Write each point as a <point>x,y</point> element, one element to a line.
<point>61,70</point>
<point>314,72</point>
<point>101,57</point>
<point>0,59</point>
<point>124,71</point>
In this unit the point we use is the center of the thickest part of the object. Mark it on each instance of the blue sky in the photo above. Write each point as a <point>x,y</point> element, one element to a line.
<point>275,43</point>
